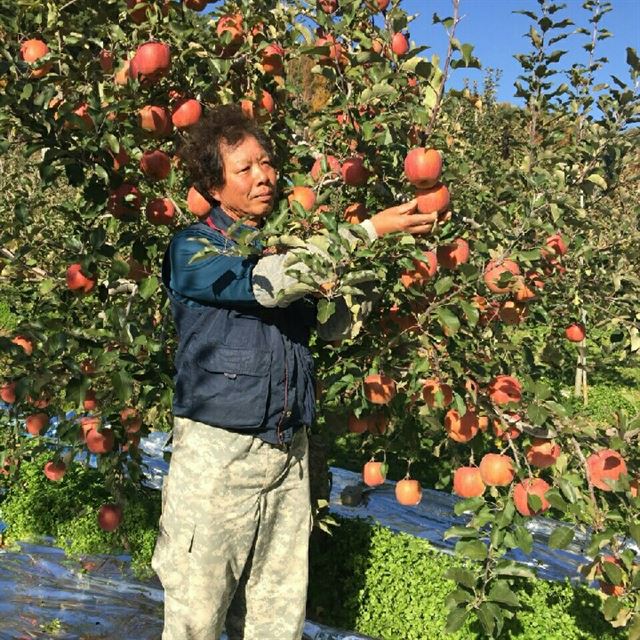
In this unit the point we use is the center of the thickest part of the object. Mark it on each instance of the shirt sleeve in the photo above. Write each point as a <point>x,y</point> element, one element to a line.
<point>212,279</point>
<point>234,280</point>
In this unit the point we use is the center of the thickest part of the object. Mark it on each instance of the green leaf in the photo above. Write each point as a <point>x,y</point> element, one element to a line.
<point>471,312</point>
<point>632,59</point>
<point>458,531</point>
<point>561,537</point>
<point>613,572</point>
<point>148,287</point>
<point>485,616</point>
<point>472,549</point>
<point>555,499</point>
<point>505,517</point>
<point>356,277</point>
<point>120,267</point>
<point>423,69</point>
<point>101,172</point>
<point>326,309</point>
<point>46,286</point>
<point>537,414</point>
<point>500,592</point>
<point>458,597</point>
<point>443,285</point>
<point>27,90</point>
<point>611,608</point>
<point>515,569</point>
<point>456,619</point>
<point>523,539</point>
<point>634,531</point>
<point>122,383</point>
<point>556,408</point>
<point>448,319</point>
<point>470,504</point>
<point>598,180</point>
<point>461,576</point>
<point>534,502</point>
<point>568,490</point>
<point>112,142</point>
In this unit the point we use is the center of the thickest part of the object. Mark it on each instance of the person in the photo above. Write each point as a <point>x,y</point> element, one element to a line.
<point>236,515</point>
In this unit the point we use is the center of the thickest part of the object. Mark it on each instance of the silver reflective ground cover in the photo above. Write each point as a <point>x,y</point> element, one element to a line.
<point>39,586</point>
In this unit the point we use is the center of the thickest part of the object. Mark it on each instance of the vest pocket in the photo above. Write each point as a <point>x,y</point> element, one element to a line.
<point>232,386</point>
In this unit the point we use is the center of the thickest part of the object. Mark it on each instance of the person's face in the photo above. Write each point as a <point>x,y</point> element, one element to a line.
<point>249,188</point>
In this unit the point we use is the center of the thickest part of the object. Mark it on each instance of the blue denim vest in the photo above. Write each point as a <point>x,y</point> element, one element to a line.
<point>245,369</point>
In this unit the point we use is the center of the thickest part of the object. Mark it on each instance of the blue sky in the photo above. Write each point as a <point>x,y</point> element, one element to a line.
<point>497,34</point>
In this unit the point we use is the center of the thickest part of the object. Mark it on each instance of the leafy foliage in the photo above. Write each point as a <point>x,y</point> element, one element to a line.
<point>395,586</point>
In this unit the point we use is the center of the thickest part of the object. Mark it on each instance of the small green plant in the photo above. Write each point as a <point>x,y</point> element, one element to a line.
<point>8,321</point>
<point>394,586</point>
<point>66,510</point>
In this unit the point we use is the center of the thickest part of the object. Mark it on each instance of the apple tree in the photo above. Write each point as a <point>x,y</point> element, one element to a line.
<point>448,370</point>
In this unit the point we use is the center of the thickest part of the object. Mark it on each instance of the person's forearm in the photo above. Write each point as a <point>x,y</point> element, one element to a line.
<point>276,285</point>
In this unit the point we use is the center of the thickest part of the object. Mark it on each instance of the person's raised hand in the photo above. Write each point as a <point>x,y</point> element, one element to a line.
<point>403,217</point>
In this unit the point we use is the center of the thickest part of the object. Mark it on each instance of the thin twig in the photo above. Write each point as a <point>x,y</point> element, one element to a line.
<point>598,516</point>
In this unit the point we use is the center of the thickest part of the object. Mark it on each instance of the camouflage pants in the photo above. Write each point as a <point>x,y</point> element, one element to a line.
<point>234,536</point>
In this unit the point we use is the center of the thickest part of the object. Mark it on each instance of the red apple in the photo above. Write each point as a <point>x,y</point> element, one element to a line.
<point>434,199</point>
<point>155,120</point>
<point>186,113</point>
<point>100,441</point>
<point>105,59</point>
<point>355,213</point>
<point>109,517</point>
<point>575,332</point>
<point>230,26</point>
<point>25,343</point>
<point>605,466</point>
<point>151,61</point>
<point>156,164</point>
<point>36,423</point>
<point>423,167</point>
<point>55,470</point>
<point>31,51</point>
<point>332,163</point>
<point>542,453</point>
<point>272,56</point>
<point>77,280</point>
<point>161,211</point>
<point>131,420</point>
<point>505,389</point>
<point>453,255</point>
<point>467,482</point>
<point>354,173</point>
<point>493,275</point>
<point>530,486</point>
<point>304,196</point>
<point>554,246</point>
<point>399,44</point>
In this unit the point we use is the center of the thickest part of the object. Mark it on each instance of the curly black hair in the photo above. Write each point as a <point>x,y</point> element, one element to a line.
<point>200,150</point>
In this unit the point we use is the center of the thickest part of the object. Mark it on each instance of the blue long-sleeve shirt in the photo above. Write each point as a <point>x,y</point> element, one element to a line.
<point>222,279</point>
